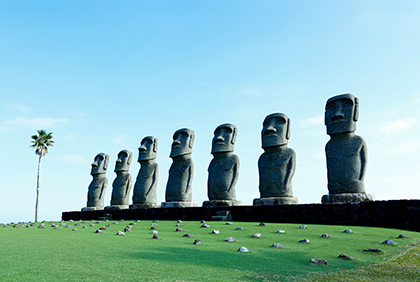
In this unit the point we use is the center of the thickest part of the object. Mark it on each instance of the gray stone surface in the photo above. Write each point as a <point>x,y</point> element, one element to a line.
<point>402,236</point>
<point>221,203</point>
<point>273,201</point>
<point>277,245</point>
<point>318,261</point>
<point>325,235</point>
<point>346,257</point>
<point>256,235</point>
<point>224,167</point>
<point>122,185</point>
<point>215,232</point>
<point>373,250</point>
<point>144,195</point>
<point>188,235</point>
<point>389,242</point>
<point>347,198</point>
<point>179,204</point>
<point>304,241</point>
<point>348,231</point>
<point>198,242</point>
<point>179,185</point>
<point>346,152</point>
<point>243,249</point>
<point>277,164</point>
<point>230,239</point>
<point>97,188</point>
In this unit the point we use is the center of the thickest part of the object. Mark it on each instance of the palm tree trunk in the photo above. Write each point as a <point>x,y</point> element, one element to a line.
<point>37,189</point>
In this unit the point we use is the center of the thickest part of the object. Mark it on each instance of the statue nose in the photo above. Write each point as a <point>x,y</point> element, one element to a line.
<point>270,130</point>
<point>176,142</point>
<point>337,116</point>
<point>219,138</point>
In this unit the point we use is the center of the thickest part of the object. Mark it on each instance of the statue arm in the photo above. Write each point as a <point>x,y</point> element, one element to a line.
<point>235,176</point>
<point>103,188</point>
<point>363,160</point>
<point>290,170</point>
<point>127,187</point>
<point>189,179</point>
<point>154,179</point>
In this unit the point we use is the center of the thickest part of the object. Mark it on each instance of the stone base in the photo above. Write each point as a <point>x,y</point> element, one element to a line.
<point>275,201</point>
<point>179,204</point>
<point>116,207</point>
<point>221,203</point>
<point>92,208</point>
<point>347,198</point>
<point>144,206</point>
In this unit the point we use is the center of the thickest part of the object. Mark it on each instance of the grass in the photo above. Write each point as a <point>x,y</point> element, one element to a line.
<point>48,254</point>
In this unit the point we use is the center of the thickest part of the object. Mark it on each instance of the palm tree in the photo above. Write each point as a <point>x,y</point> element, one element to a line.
<point>40,142</point>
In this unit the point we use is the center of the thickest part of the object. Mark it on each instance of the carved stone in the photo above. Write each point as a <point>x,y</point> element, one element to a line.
<point>346,152</point>
<point>121,187</point>
<point>223,169</point>
<point>276,165</point>
<point>178,187</point>
<point>145,188</point>
<point>97,188</point>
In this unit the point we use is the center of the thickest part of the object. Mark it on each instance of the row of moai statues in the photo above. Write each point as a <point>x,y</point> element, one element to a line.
<point>346,156</point>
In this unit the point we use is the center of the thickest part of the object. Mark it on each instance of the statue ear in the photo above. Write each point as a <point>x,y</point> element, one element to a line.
<point>130,156</point>
<point>233,136</point>
<point>356,109</point>
<point>106,162</point>
<point>288,129</point>
<point>155,145</point>
<point>325,117</point>
<point>190,144</point>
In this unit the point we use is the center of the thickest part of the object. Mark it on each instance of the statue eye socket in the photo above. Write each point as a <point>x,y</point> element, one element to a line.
<point>347,104</point>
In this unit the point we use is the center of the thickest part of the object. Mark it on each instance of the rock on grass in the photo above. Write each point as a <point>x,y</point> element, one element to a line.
<point>243,249</point>
<point>198,242</point>
<point>346,257</point>
<point>318,261</point>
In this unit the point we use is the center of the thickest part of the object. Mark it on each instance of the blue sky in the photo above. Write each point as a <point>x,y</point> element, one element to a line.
<point>102,75</point>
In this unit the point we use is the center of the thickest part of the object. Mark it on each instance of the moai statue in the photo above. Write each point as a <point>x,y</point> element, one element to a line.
<point>144,195</point>
<point>346,152</point>
<point>97,188</point>
<point>121,187</point>
<point>277,164</point>
<point>223,169</point>
<point>178,187</point>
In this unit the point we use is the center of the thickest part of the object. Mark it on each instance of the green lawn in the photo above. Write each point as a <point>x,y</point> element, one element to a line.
<point>62,254</point>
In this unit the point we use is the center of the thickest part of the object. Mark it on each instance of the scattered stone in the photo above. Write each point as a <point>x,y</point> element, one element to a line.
<point>153,228</point>
<point>121,219</point>
<point>198,242</point>
<point>84,222</point>
<point>348,231</point>
<point>155,232</point>
<point>239,228</point>
<point>71,220</point>
<point>344,256</point>
<point>67,226</point>
<point>77,224</point>
<point>203,221</point>
<point>304,241</point>
<point>27,226</point>
<point>156,221</point>
<point>127,229</point>
<point>154,224</point>
<point>402,236</point>
<point>155,236</point>
<point>179,221</point>
<point>325,235</point>
<point>102,228</point>
<point>41,226</point>
<point>75,229</point>
<point>63,223</point>
<point>205,225</point>
<point>120,233</point>
<point>98,222</point>
<point>98,231</point>
<point>115,222</point>
<point>303,226</point>
<point>318,261</point>
<point>256,235</point>
<point>389,242</point>
<point>108,225</point>
<point>262,224</point>
<point>215,232</point>
<point>178,230</point>
<point>280,231</point>
<point>179,224</point>
<point>56,227</point>
<point>243,249</point>
<point>91,225</point>
<point>230,239</point>
<point>85,226</point>
<point>132,223</point>
<point>277,245</point>
<point>187,235</point>
<point>137,220</point>
<point>373,250</point>
<point>229,223</point>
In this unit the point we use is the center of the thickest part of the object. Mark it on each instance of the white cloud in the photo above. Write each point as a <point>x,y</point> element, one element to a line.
<point>405,147</point>
<point>18,108</point>
<point>35,123</point>
<point>314,121</point>
<point>76,159</point>
<point>398,125</point>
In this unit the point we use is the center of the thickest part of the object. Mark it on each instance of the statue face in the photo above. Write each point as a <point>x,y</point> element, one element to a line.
<point>100,164</point>
<point>341,114</point>
<point>123,161</point>
<point>224,138</point>
<point>148,148</point>
<point>276,130</point>
<point>183,142</point>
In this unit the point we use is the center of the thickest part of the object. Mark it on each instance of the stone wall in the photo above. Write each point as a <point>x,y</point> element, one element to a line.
<point>401,214</point>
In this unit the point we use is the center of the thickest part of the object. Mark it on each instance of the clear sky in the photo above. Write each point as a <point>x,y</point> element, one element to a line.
<point>102,75</point>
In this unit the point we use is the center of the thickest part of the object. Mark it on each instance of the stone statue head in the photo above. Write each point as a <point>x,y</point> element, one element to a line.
<point>148,148</point>
<point>100,164</point>
<point>183,142</point>
<point>341,114</point>
<point>123,161</point>
<point>276,130</point>
<point>224,138</point>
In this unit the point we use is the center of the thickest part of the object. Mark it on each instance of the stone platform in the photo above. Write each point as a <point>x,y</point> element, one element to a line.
<point>401,214</point>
